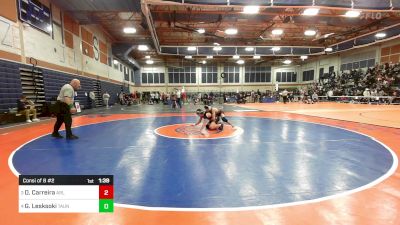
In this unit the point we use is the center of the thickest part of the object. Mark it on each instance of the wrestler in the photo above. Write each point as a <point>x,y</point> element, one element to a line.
<point>211,124</point>
<point>217,113</point>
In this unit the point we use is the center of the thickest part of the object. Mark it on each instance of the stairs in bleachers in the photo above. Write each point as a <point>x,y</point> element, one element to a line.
<point>33,86</point>
<point>98,93</point>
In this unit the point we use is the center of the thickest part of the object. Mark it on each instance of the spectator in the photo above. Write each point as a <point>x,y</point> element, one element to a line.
<point>285,96</point>
<point>27,107</point>
<point>315,97</point>
<point>157,97</point>
<point>178,98</point>
<point>121,98</point>
<point>367,95</point>
<point>92,99</point>
<point>106,98</point>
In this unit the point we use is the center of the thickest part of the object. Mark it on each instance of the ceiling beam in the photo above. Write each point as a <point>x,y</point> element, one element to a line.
<point>171,3</point>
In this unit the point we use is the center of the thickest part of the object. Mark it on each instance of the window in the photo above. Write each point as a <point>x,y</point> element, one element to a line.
<point>371,63</point>
<point>153,78</point>
<point>321,72</point>
<point>363,63</point>
<point>231,74</point>
<point>187,74</point>
<point>209,74</point>
<point>358,64</point>
<point>126,73</point>
<point>150,78</point>
<point>162,78</point>
<point>331,69</point>
<point>286,77</point>
<point>308,75</point>
<point>156,78</point>
<point>132,76</point>
<point>144,78</point>
<point>257,74</point>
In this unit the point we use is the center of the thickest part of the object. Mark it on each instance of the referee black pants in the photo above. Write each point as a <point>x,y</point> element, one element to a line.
<point>61,110</point>
<point>285,99</point>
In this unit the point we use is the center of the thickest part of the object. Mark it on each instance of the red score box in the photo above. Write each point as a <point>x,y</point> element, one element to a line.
<point>106,192</point>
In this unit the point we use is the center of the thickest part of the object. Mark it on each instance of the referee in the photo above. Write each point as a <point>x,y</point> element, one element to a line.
<point>64,108</point>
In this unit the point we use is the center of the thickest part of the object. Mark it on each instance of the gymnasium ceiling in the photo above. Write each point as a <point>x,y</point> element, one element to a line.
<point>169,27</point>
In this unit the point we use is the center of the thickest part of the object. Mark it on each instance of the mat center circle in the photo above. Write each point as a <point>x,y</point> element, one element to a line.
<point>189,131</point>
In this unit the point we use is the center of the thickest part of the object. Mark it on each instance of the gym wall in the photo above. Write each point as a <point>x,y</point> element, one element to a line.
<point>72,48</point>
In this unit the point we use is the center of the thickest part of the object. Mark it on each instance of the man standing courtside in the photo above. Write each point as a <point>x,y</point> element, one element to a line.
<point>64,108</point>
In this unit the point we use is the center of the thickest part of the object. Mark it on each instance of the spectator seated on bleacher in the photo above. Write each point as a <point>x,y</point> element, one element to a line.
<point>308,100</point>
<point>395,98</point>
<point>367,95</point>
<point>240,99</point>
<point>27,107</point>
<point>205,99</point>
<point>315,97</point>
<point>382,80</point>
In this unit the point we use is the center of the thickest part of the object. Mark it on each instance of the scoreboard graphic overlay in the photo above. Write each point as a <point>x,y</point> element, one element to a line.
<point>66,193</point>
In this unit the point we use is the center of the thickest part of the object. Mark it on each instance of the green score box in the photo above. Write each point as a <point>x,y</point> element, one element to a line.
<point>106,205</point>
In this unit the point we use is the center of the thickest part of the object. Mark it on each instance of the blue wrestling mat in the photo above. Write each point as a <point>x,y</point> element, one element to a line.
<point>271,162</point>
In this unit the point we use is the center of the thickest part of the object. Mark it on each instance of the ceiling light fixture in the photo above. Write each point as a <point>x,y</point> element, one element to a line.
<point>201,31</point>
<point>380,35</point>
<point>277,32</point>
<point>310,32</point>
<point>329,49</point>
<point>311,12</point>
<point>204,62</point>
<point>240,61</point>
<point>303,57</point>
<point>191,48</point>
<point>287,61</point>
<point>149,61</point>
<point>209,57</point>
<point>147,57</point>
<point>352,13</point>
<point>251,9</point>
<point>249,49</point>
<point>143,48</point>
<point>188,57</point>
<point>231,31</point>
<point>256,57</point>
<point>217,48</point>
<point>327,35</point>
<point>115,62</point>
<point>275,49</point>
<point>129,30</point>
<point>236,57</point>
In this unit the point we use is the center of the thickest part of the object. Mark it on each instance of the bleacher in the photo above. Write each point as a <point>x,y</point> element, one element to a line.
<point>10,85</point>
<point>53,81</point>
<point>349,86</point>
<point>11,88</point>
